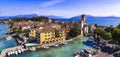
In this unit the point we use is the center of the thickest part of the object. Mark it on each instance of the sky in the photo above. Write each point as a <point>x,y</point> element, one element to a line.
<point>65,8</point>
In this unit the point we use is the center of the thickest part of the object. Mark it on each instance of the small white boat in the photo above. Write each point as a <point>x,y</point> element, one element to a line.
<point>76,56</point>
<point>19,51</point>
<point>33,48</point>
<point>9,54</point>
<point>56,45</point>
<point>16,52</point>
<point>88,50</point>
<point>65,43</point>
<point>46,47</point>
<point>89,55</point>
<point>13,52</point>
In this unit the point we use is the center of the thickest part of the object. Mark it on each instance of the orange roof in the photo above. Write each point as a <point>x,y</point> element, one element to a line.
<point>46,29</point>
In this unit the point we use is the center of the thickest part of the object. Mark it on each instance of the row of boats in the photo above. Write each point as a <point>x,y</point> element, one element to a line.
<point>46,47</point>
<point>56,45</point>
<point>88,52</point>
<point>16,52</point>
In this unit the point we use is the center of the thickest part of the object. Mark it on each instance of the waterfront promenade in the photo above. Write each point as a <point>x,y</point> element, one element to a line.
<point>33,47</point>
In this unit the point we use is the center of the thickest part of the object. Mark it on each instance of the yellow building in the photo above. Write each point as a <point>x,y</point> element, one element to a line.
<point>32,33</point>
<point>48,35</point>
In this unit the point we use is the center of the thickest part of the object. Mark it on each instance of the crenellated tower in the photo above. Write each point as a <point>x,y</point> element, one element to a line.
<point>83,17</point>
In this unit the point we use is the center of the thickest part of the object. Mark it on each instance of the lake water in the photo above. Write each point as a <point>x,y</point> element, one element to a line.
<point>3,29</point>
<point>103,22</point>
<point>4,43</point>
<point>64,50</point>
<point>61,51</point>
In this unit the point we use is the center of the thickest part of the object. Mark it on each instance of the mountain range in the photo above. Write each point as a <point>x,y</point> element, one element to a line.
<point>59,17</point>
<point>19,16</point>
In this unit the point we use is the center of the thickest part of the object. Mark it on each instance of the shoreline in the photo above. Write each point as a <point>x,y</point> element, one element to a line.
<point>51,44</point>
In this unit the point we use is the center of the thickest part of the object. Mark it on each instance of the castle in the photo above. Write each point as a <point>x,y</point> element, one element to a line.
<point>81,24</point>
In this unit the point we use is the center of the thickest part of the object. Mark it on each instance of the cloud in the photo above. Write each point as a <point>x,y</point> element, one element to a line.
<point>50,3</point>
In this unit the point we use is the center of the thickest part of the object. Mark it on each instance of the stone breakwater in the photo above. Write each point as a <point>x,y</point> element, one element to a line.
<point>6,51</point>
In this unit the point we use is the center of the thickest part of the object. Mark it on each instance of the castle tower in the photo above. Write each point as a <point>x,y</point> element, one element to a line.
<point>83,17</point>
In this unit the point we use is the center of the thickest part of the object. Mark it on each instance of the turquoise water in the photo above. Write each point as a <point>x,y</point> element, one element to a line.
<point>4,43</point>
<point>61,51</point>
<point>3,29</point>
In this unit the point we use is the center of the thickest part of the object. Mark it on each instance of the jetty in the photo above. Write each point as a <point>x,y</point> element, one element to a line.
<point>2,37</point>
<point>15,50</point>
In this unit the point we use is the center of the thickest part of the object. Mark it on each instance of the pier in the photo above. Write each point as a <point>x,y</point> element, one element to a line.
<point>8,50</point>
<point>2,37</point>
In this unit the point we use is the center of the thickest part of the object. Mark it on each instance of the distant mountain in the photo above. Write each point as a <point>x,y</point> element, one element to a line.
<point>30,16</point>
<point>95,17</point>
<point>56,17</point>
<point>59,17</point>
<point>27,16</point>
<point>18,16</point>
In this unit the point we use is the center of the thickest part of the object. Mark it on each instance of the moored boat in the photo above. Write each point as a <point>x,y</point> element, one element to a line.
<point>46,47</point>
<point>19,51</point>
<point>16,52</point>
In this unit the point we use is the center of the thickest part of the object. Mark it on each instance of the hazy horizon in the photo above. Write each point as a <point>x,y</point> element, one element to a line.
<point>64,8</point>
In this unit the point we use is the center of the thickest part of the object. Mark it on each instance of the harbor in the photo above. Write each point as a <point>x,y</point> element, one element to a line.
<point>10,51</point>
<point>18,50</point>
<point>55,44</point>
<point>62,50</point>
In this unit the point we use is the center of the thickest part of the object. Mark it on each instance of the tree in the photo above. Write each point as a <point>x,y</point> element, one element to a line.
<point>116,35</point>
<point>109,29</point>
<point>75,31</point>
<point>102,33</point>
<point>39,18</point>
<point>11,23</point>
<point>106,35</point>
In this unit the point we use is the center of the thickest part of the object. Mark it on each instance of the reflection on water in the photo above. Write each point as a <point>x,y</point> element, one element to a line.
<point>61,51</point>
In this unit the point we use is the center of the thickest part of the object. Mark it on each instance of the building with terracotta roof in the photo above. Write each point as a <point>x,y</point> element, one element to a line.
<point>48,34</point>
